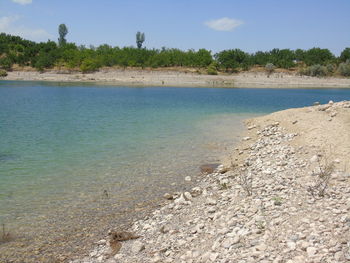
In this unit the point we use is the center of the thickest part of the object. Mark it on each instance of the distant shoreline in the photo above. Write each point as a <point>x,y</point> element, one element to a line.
<point>134,77</point>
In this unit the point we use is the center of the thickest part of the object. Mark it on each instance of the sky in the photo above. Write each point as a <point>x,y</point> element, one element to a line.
<point>250,25</point>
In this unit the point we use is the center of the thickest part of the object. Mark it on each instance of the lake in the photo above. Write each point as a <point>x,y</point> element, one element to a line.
<point>79,159</point>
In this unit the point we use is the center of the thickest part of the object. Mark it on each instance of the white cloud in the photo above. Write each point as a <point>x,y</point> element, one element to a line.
<point>8,24</point>
<point>22,2</point>
<point>224,24</point>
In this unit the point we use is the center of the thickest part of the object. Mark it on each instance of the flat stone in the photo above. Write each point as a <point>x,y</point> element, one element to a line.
<point>261,247</point>
<point>311,251</point>
<point>137,247</point>
<point>291,245</point>
<point>211,201</point>
<point>213,256</point>
<point>314,159</point>
<point>101,242</point>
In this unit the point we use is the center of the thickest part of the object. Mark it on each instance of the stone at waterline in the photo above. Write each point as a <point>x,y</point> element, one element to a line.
<point>208,168</point>
<point>168,196</point>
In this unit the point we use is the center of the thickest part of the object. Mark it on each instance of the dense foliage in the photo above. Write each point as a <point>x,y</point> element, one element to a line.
<point>17,51</point>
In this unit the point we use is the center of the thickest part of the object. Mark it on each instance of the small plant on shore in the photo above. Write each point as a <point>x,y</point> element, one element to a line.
<point>3,73</point>
<point>323,174</point>
<point>270,68</point>
<point>5,236</point>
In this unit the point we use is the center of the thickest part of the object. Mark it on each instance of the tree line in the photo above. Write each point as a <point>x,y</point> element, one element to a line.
<point>65,55</point>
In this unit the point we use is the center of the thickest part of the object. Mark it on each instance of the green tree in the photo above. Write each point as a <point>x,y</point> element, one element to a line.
<point>318,56</point>
<point>62,31</point>
<point>140,38</point>
<point>345,55</point>
<point>89,65</point>
<point>5,63</point>
<point>232,59</point>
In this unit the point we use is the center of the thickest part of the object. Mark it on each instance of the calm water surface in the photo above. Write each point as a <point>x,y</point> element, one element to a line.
<point>79,154</point>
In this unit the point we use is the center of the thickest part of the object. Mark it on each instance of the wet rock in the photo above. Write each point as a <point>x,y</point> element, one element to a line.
<point>181,200</point>
<point>208,168</point>
<point>196,191</point>
<point>168,196</point>
<point>187,196</point>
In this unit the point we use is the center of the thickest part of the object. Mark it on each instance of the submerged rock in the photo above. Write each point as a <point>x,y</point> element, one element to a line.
<point>208,168</point>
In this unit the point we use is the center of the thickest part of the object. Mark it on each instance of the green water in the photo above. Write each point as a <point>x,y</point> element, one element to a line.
<point>73,154</point>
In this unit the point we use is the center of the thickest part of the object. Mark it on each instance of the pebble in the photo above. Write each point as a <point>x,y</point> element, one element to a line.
<point>311,251</point>
<point>137,247</point>
<point>168,196</point>
<point>291,245</point>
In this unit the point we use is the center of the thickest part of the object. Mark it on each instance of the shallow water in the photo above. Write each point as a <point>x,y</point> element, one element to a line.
<point>76,159</point>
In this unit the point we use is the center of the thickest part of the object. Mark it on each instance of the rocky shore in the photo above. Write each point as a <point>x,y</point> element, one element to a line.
<point>166,78</point>
<point>283,197</point>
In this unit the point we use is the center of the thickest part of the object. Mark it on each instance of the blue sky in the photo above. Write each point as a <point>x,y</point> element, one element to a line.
<point>250,25</point>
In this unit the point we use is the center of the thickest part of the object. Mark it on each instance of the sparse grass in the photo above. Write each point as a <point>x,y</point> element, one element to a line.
<point>246,181</point>
<point>224,186</point>
<point>277,200</point>
<point>260,225</point>
<point>5,235</point>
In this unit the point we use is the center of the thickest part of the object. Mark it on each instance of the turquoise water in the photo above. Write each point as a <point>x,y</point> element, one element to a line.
<point>80,149</point>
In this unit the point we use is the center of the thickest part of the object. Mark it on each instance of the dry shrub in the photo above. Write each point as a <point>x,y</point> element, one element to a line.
<point>323,174</point>
<point>246,181</point>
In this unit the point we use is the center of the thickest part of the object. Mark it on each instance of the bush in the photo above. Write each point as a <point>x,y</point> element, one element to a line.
<point>89,65</point>
<point>314,71</point>
<point>331,68</point>
<point>344,69</point>
<point>3,73</point>
<point>270,68</point>
<point>5,63</point>
<point>212,69</point>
